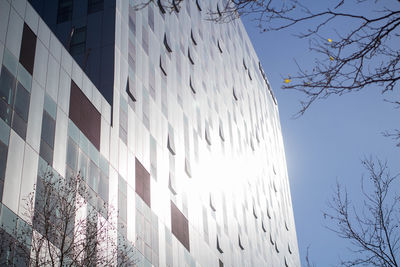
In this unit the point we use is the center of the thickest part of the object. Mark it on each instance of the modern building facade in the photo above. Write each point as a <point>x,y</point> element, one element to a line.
<point>169,117</point>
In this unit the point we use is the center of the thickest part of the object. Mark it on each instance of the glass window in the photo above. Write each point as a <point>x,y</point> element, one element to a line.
<point>240,244</point>
<point>130,90</point>
<point>19,125</point>
<point>78,41</point>
<point>171,143</point>
<point>220,46</point>
<point>24,78</point>
<point>192,86</point>
<point>64,12</point>
<point>21,104</point>
<point>50,106</point>
<point>5,112</point>
<point>3,161</point>
<point>94,174</point>
<point>85,115</point>
<point>83,165</point>
<point>46,152</point>
<point>95,6</point>
<point>48,129</point>
<point>7,85</point>
<point>198,5</point>
<point>207,134</point>
<point>162,65</point>
<point>219,246</point>
<point>4,132</point>
<point>235,95</point>
<point>166,43</point>
<point>72,154</point>
<point>190,56</point>
<point>193,37</point>
<point>10,61</point>
<point>28,47</point>
<point>103,187</point>
<point>103,164</point>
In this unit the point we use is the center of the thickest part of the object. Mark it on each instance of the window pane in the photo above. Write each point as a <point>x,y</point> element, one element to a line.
<point>3,161</point>
<point>78,41</point>
<point>5,112</point>
<point>48,128</point>
<point>1,196</point>
<point>85,115</point>
<point>7,85</point>
<point>103,187</point>
<point>95,6</point>
<point>21,104</point>
<point>72,154</point>
<point>94,174</point>
<point>19,125</point>
<point>4,132</point>
<point>28,47</point>
<point>46,152</point>
<point>83,165</point>
<point>64,12</point>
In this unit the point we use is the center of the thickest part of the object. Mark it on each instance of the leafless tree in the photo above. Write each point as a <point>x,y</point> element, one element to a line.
<point>61,226</point>
<point>373,226</point>
<point>364,53</point>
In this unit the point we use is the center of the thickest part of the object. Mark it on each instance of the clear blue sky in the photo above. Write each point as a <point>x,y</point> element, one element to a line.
<point>327,142</point>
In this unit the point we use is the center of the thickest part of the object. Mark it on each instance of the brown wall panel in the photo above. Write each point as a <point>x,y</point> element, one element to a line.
<point>180,226</point>
<point>28,48</point>
<point>142,182</point>
<point>84,114</point>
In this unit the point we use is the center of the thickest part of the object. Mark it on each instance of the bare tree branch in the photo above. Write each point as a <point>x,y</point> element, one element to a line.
<point>65,229</point>
<point>373,228</point>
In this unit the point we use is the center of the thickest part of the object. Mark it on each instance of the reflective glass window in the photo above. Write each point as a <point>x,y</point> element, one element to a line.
<point>46,152</point>
<point>19,125</point>
<point>94,174</point>
<point>72,154</point>
<point>64,12</point>
<point>5,112</point>
<point>21,104</point>
<point>7,85</point>
<point>95,6</point>
<point>48,129</point>
<point>78,41</point>
<point>3,161</point>
<point>103,187</point>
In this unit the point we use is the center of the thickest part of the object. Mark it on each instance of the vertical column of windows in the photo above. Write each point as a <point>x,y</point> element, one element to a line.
<point>16,82</point>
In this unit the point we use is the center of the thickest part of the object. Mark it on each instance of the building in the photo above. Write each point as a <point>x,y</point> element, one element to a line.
<point>169,116</point>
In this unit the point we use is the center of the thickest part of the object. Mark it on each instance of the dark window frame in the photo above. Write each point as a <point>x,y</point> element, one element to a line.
<point>95,6</point>
<point>64,13</point>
